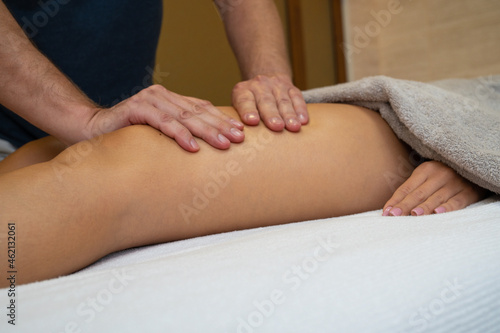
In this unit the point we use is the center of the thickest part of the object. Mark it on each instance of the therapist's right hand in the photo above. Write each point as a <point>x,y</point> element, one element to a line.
<point>179,117</point>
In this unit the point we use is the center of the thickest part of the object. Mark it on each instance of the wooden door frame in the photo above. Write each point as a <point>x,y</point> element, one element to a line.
<point>297,48</point>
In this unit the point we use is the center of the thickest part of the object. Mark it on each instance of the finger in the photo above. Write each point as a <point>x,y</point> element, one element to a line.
<point>268,109</point>
<point>216,130</point>
<point>286,110</point>
<point>245,104</point>
<point>176,116</point>
<point>200,106</point>
<point>299,104</point>
<point>199,127</point>
<point>180,123</point>
<point>169,126</point>
<point>205,111</point>
<point>419,196</point>
<point>462,199</point>
<point>416,179</point>
<point>436,199</point>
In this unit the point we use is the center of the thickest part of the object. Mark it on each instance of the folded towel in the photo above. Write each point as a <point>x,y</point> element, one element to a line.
<point>455,121</point>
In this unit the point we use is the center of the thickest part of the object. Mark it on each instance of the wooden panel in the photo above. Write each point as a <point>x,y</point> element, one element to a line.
<point>423,40</point>
<point>297,43</point>
<point>338,41</point>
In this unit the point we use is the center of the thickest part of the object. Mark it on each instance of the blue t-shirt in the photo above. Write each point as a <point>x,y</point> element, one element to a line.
<point>107,47</point>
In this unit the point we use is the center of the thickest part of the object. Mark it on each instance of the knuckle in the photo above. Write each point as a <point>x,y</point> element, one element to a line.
<point>284,102</point>
<point>197,108</point>
<point>294,92</point>
<point>135,99</point>
<point>157,88</point>
<point>419,195</point>
<point>166,118</point>
<point>437,167</point>
<point>439,198</point>
<point>426,167</point>
<point>245,99</point>
<point>205,103</point>
<point>240,86</point>
<point>266,100</point>
<point>457,202</point>
<point>185,114</point>
<point>404,191</point>
<point>261,78</point>
<point>448,172</point>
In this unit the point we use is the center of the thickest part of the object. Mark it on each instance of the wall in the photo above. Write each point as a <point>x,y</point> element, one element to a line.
<point>194,51</point>
<point>422,40</point>
<point>318,42</point>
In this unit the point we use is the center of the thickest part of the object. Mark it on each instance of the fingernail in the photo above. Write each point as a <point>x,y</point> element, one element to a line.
<point>386,211</point>
<point>236,132</point>
<point>293,121</point>
<point>417,211</point>
<point>275,121</point>
<point>236,123</point>
<point>194,144</point>
<point>440,210</point>
<point>302,118</point>
<point>251,116</point>
<point>223,139</point>
<point>396,212</point>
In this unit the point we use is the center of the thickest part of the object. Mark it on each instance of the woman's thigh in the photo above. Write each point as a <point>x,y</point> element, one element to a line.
<point>347,160</point>
<point>136,187</point>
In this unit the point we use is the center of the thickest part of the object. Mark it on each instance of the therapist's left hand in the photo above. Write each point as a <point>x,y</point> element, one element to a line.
<point>274,100</point>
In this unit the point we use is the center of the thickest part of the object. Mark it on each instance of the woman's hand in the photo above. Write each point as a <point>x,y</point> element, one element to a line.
<point>432,188</point>
<point>178,117</point>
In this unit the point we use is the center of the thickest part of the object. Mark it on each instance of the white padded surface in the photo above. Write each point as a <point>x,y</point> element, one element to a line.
<point>359,273</point>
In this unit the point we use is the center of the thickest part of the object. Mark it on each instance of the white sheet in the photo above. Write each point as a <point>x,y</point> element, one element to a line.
<point>359,273</point>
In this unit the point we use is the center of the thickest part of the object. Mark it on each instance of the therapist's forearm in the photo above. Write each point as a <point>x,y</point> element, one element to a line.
<point>32,87</point>
<point>256,35</point>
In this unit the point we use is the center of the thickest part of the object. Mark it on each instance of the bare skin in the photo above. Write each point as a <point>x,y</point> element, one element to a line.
<point>122,190</point>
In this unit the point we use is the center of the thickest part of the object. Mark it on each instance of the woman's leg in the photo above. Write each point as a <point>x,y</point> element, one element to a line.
<point>135,187</point>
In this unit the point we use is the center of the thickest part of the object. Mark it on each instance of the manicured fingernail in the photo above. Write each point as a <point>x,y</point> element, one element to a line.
<point>396,212</point>
<point>440,210</point>
<point>386,211</point>
<point>417,211</point>
<point>251,117</point>
<point>194,144</point>
<point>275,121</point>
<point>236,123</point>
<point>223,139</point>
<point>236,132</point>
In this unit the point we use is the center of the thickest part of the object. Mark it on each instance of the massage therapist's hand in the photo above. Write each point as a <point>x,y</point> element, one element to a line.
<point>274,99</point>
<point>432,188</point>
<point>177,116</point>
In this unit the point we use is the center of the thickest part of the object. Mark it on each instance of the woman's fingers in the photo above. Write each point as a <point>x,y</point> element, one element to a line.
<point>462,199</point>
<point>406,191</point>
<point>432,188</point>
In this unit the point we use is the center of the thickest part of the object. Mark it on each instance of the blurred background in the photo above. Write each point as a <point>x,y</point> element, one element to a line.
<point>333,41</point>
